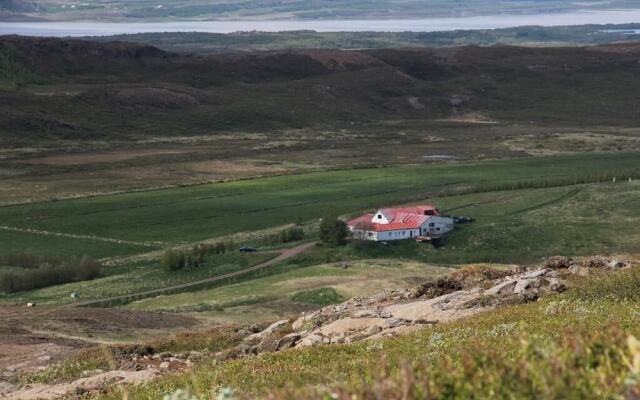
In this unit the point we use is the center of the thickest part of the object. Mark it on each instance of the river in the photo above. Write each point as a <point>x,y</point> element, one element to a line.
<point>338,25</point>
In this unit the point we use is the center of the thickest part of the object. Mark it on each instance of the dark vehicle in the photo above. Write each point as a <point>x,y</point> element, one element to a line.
<point>459,220</point>
<point>247,250</point>
<point>463,220</point>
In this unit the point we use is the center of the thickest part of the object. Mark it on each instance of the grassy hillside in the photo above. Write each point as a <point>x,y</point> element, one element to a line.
<point>200,42</point>
<point>143,92</point>
<point>579,344</point>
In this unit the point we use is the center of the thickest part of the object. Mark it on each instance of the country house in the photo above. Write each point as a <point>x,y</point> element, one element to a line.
<point>388,224</point>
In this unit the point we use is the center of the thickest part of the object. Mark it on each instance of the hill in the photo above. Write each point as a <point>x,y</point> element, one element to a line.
<point>116,84</point>
<point>134,116</point>
<point>201,42</point>
<point>299,9</point>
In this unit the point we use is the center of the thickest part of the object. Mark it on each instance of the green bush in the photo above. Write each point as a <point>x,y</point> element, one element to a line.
<point>333,232</point>
<point>176,260</point>
<point>321,297</point>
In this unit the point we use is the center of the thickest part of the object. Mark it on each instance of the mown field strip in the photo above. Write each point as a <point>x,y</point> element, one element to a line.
<point>284,255</point>
<point>83,237</point>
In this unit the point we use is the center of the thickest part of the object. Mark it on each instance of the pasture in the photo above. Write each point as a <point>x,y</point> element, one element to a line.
<point>134,278</point>
<point>271,297</point>
<point>163,218</point>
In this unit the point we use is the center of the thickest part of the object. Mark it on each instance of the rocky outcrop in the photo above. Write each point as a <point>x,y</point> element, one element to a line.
<point>466,292</point>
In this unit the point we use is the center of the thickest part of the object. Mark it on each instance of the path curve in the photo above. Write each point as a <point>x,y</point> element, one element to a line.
<point>284,255</point>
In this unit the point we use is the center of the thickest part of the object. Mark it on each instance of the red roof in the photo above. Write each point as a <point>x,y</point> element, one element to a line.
<point>399,219</point>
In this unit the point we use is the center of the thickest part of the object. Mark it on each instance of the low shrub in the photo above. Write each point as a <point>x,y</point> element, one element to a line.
<point>320,297</point>
<point>176,260</point>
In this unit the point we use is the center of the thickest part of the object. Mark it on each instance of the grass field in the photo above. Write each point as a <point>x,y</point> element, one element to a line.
<point>135,277</point>
<point>272,297</point>
<point>15,242</point>
<point>184,215</point>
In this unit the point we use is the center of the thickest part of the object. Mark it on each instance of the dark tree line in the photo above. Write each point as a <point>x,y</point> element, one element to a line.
<point>34,272</point>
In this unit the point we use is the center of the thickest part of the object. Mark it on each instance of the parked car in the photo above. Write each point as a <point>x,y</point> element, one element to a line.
<point>247,250</point>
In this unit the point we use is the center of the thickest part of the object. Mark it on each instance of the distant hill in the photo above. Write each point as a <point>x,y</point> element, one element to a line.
<point>201,42</point>
<point>92,88</point>
<point>303,9</point>
<point>17,6</point>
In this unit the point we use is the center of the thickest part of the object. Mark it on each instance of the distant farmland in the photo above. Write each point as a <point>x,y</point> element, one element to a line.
<point>182,215</point>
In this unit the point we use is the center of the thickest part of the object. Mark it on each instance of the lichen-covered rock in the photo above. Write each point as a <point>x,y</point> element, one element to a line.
<point>558,262</point>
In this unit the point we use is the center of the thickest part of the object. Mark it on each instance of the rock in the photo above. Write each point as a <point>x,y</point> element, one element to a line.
<point>385,314</point>
<point>310,340</point>
<point>596,262</point>
<point>517,269</point>
<point>558,262</point>
<point>536,273</point>
<point>164,365</point>
<point>615,264</point>
<point>303,320</point>
<point>395,322</point>
<point>91,372</point>
<point>269,331</point>
<point>579,270</point>
<point>288,341</point>
<point>6,388</point>
<point>348,326</point>
<point>440,309</point>
<point>502,289</point>
<point>195,355</point>
<point>366,313</point>
<point>523,285</point>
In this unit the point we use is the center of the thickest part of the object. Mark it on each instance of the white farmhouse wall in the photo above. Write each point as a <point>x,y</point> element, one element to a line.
<point>398,235</point>
<point>380,218</point>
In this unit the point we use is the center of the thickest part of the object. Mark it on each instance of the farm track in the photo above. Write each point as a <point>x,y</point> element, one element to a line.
<point>157,254</point>
<point>284,255</point>
<point>82,237</point>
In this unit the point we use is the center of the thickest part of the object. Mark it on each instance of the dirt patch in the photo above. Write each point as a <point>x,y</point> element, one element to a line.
<point>32,338</point>
<point>99,157</point>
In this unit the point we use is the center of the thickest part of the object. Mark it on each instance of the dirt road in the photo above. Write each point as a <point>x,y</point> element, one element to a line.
<point>284,255</point>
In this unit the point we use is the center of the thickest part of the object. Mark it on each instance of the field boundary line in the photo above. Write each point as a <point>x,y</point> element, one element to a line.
<point>284,255</point>
<point>82,237</point>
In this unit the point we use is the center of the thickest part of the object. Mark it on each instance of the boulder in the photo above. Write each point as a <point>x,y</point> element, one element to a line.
<point>312,339</point>
<point>503,288</point>
<point>558,262</point>
<point>276,326</point>
<point>288,341</point>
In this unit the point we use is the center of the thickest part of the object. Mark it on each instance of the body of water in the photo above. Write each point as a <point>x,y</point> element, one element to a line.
<point>391,25</point>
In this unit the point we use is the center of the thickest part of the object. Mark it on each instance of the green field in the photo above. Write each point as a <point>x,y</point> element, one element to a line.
<point>16,242</point>
<point>524,226</point>
<point>280,295</point>
<point>134,278</point>
<point>188,214</point>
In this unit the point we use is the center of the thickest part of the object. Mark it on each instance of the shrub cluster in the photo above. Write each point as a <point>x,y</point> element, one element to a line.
<point>292,234</point>
<point>333,231</point>
<point>35,272</point>
<point>176,260</point>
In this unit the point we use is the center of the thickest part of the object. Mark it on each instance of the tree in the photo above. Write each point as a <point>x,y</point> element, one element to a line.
<point>333,231</point>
